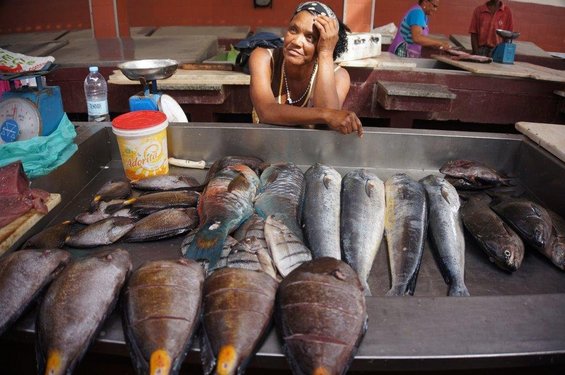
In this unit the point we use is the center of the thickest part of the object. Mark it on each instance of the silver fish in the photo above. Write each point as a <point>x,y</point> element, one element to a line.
<point>104,232</point>
<point>321,211</point>
<point>75,307</point>
<point>105,210</point>
<point>288,251</point>
<point>251,254</point>
<point>362,221</point>
<point>164,182</point>
<point>446,232</point>
<point>163,224</point>
<point>501,244</point>
<point>405,229</point>
<point>252,227</point>
<point>555,249</point>
<point>281,189</point>
<point>530,220</point>
<point>23,275</point>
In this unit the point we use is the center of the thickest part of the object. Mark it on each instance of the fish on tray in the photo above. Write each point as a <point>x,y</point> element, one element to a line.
<point>254,163</point>
<point>112,190</point>
<point>473,175</point>
<point>238,307</point>
<point>105,210</point>
<point>500,243</point>
<point>164,183</point>
<point>163,224</point>
<point>23,275</point>
<point>149,203</point>
<point>281,190</point>
<point>555,250</point>
<point>530,220</point>
<point>321,316</point>
<point>225,204</point>
<point>251,254</point>
<point>52,237</point>
<point>161,313</point>
<point>74,308</point>
<point>321,211</point>
<point>446,232</point>
<point>362,221</point>
<point>405,228</point>
<point>103,232</point>
<point>287,250</point>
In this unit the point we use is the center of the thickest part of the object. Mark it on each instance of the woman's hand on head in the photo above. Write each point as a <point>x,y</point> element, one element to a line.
<point>345,122</point>
<point>329,34</point>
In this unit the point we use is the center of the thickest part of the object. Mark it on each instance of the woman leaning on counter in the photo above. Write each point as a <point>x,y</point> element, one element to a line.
<point>413,31</point>
<point>299,83</point>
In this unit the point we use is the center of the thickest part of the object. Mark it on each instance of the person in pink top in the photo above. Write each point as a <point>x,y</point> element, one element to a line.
<point>488,17</point>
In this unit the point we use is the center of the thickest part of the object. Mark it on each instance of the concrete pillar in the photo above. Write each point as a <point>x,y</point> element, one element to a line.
<point>109,18</point>
<point>359,14</point>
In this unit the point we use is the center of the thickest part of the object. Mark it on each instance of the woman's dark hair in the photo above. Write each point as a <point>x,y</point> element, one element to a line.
<point>341,45</point>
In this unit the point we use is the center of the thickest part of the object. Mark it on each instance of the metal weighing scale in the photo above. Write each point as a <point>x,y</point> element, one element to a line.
<point>148,72</point>
<point>506,51</point>
<point>27,112</point>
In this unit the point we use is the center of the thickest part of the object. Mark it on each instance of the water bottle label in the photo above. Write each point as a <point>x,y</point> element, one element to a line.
<point>97,108</point>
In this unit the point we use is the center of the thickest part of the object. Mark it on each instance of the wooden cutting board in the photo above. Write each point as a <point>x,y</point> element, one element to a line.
<point>12,232</point>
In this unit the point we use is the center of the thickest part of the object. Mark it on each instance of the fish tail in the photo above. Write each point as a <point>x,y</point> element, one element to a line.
<point>397,290</point>
<point>366,288</point>
<point>208,243</point>
<point>458,290</point>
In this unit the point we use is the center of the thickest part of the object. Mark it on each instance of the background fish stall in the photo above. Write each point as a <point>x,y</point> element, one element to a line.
<point>510,319</point>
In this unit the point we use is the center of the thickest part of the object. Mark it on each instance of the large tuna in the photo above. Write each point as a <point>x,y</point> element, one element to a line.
<point>405,228</point>
<point>23,275</point>
<point>237,310</point>
<point>321,316</point>
<point>362,221</point>
<point>74,308</point>
<point>161,312</point>
<point>446,232</point>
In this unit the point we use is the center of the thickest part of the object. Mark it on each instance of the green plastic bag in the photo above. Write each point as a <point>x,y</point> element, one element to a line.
<point>40,155</point>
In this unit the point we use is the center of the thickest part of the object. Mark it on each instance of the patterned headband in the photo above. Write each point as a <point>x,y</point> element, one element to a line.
<point>316,7</point>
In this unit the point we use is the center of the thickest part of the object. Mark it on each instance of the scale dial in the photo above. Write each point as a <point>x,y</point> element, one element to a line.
<point>19,120</point>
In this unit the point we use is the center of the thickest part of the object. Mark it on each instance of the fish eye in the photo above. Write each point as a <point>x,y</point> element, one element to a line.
<point>507,253</point>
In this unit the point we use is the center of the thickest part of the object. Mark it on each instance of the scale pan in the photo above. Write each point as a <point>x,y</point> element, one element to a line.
<point>149,70</point>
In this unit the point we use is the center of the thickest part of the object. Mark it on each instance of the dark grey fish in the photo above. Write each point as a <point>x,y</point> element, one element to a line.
<point>163,224</point>
<point>164,182</point>
<point>321,211</point>
<point>281,190</point>
<point>149,203</point>
<point>555,250</point>
<point>74,308</point>
<point>321,313</point>
<point>23,275</point>
<point>104,232</point>
<point>471,175</point>
<point>530,220</point>
<point>287,250</point>
<point>105,210</point>
<point>112,190</point>
<point>52,237</point>
<point>161,314</point>
<point>405,229</point>
<point>446,232</point>
<point>362,221</point>
<point>501,244</point>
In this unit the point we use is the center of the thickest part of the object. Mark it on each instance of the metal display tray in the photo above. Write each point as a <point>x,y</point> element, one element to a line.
<point>510,320</point>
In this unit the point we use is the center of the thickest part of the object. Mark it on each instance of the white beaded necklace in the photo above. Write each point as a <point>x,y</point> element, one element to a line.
<point>312,77</point>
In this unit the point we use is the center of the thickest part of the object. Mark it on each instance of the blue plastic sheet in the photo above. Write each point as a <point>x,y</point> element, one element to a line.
<point>41,155</point>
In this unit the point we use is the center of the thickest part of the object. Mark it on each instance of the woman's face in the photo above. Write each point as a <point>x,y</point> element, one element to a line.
<point>300,39</point>
<point>430,6</point>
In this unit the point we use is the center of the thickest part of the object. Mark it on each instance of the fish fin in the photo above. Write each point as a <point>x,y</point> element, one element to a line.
<point>208,243</point>
<point>370,188</point>
<point>445,195</point>
<point>328,180</point>
<point>397,291</point>
<point>239,182</point>
<point>272,177</point>
<point>366,288</point>
<point>458,290</point>
<point>207,355</point>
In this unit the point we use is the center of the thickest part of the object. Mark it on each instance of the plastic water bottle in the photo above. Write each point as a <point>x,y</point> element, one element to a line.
<point>96,92</point>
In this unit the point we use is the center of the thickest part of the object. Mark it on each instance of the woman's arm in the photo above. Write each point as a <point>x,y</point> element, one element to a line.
<point>427,41</point>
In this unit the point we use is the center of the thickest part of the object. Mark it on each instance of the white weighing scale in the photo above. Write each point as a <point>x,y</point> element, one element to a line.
<point>148,72</point>
<point>29,111</point>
